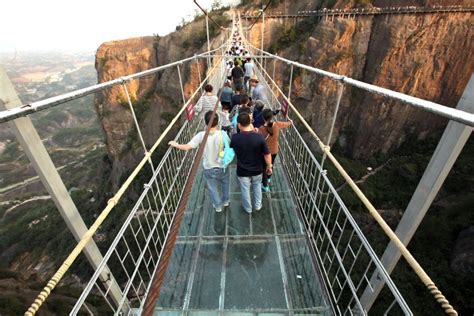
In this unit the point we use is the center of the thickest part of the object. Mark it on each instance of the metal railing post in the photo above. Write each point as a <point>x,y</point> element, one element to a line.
<point>208,43</point>
<point>291,82</point>
<point>198,69</point>
<point>273,77</point>
<point>340,90</point>
<point>263,31</point>
<point>181,84</point>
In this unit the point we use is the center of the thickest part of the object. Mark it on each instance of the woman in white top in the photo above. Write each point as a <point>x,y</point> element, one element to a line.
<point>217,176</point>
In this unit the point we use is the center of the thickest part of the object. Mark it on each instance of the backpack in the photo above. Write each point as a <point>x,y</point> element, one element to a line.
<point>226,154</point>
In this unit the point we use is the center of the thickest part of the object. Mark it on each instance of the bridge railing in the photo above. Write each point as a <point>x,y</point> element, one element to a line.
<point>344,255</point>
<point>365,11</point>
<point>136,251</point>
<point>342,81</point>
<point>123,275</point>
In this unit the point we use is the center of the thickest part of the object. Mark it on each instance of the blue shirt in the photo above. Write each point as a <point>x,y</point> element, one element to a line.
<point>258,93</point>
<point>226,95</point>
<point>249,147</point>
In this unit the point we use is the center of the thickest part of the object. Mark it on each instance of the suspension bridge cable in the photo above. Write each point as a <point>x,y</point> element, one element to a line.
<point>210,18</point>
<point>52,283</point>
<point>412,262</point>
<point>258,17</point>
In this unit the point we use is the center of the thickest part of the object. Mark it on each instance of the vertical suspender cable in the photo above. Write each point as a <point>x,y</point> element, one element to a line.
<point>291,82</point>
<point>340,90</point>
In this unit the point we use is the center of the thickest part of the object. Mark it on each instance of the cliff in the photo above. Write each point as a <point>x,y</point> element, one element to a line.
<point>428,56</point>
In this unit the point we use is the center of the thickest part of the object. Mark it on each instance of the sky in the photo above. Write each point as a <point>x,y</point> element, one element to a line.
<point>81,26</point>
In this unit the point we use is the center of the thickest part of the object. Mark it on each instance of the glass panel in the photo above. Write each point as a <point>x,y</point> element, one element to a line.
<point>253,277</point>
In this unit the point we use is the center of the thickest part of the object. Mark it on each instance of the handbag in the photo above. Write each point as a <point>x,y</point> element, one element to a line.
<point>226,154</point>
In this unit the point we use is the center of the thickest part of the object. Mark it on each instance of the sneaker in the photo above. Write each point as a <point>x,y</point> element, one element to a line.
<point>265,189</point>
<point>248,211</point>
<point>226,203</point>
<point>258,209</point>
<point>218,210</point>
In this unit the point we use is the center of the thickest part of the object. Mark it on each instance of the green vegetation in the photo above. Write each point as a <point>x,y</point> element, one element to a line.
<point>294,35</point>
<point>391,189</point>
<point>78,136</point>
<point>12,305</point>
<point>198,36</point>
<point>11,152</point>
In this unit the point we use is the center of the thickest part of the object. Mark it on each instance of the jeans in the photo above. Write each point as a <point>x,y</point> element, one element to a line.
<point>256,183</point>
<point>215,177</point>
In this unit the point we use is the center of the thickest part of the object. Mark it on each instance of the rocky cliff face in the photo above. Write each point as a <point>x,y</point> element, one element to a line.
<point>155,98</point>
<point>427,56</point>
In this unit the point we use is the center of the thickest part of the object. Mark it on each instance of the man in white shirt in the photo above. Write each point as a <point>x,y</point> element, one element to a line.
<point>249,72</point>
<point>214,172</point>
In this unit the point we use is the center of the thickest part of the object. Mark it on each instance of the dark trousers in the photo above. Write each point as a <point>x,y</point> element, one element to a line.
<point>266,177</point>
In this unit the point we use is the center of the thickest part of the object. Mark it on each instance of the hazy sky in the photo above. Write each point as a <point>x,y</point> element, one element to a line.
<point>29,25</point>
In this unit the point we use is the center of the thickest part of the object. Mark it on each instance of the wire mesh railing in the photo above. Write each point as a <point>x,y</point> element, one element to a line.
<point>340,247</point>
<point>453,114</point>
<point>135,252</point>
<point>342,251</point>
<point>137,249</point>
<point>133,101</point>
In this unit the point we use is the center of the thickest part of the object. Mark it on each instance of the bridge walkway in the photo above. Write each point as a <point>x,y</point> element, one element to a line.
<point>233,263</point>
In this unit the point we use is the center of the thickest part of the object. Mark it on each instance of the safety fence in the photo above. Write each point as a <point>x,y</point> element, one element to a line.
<point>121,279</point>
<point>351,13</point>
<point>324,212</point>
<point>340,247</point>
<point>136,252</point>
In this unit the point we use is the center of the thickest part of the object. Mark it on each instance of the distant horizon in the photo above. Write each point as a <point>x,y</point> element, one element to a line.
<point>84,31</point>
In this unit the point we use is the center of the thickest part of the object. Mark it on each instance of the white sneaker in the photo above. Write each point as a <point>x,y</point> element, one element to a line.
<point>258,209</point>
<point>226,203</point>
<point>218,210</point>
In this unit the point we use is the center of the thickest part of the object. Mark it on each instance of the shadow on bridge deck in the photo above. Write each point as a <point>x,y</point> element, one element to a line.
<point>232,263</point>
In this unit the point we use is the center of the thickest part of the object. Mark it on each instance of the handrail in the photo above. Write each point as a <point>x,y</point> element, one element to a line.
<point>11,114</point>
<point>412,262</point>
<point>436,108</point>
<point>365,11</point>
<point>111,203</point>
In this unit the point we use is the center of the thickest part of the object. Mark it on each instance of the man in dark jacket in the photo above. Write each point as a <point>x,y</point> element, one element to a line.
<point>237,75</point>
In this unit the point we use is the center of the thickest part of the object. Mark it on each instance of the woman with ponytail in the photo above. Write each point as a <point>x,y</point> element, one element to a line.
<point>271,131</point>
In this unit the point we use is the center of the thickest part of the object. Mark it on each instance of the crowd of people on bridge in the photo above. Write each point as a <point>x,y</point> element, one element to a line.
<point>244,126</point>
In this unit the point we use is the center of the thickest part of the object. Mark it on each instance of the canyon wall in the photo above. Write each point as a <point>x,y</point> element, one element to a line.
<point>429,56</point>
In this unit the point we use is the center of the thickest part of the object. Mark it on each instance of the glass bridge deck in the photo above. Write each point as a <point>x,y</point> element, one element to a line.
<point>233,263</point>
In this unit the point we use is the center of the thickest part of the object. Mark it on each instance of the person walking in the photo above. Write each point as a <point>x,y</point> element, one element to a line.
<point>236,97</point>
<point>250,148</point>
<point>224,118</point>
<point>258,91</point>
<point>216,175</point>
<point>226,93</point>
<point>207,101</point>
<point>271,132</point>
<point>249,72</point>
<point>258,114</point>
<point>237,75</point>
